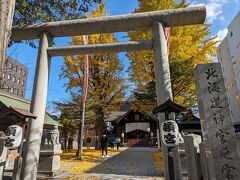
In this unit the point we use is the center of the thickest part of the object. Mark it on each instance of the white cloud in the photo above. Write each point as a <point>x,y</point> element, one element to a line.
<point>221,35</point>
<point>214,9</point>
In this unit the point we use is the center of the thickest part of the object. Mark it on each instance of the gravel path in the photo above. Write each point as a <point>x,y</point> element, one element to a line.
<point>133,163</point>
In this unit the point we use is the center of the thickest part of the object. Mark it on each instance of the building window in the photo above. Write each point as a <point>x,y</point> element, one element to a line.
<point>17,91</point>
<point>19,71</point>
<point>11,90</point>
<point>24,73</point>
<point>3,74</point>
<point>16,68</point>
<point>8,76</point>
<point>13,78</point>
<point>10,65</point>
<point>7,87</point>
<point>22,83</point>
<point>6,63</point>
<point>18,81</point>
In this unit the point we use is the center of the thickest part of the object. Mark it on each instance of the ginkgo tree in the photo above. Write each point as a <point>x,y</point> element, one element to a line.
<point>106,86</point>
<point>189,46</point>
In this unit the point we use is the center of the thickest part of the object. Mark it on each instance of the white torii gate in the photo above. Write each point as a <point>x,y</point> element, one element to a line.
<point>156,21</point>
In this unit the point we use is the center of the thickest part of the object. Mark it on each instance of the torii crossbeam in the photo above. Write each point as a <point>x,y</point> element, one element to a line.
<point>156,20</point>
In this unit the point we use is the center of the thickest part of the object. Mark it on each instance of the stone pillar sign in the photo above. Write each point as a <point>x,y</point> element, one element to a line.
<point>217,124</point>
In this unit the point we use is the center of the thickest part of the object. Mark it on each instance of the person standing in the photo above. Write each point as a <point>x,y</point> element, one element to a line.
<point>88,142</point>
<point>104,144</point>
<point>118,142</point>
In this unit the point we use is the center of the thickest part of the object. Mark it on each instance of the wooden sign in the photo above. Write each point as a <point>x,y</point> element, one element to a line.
<point>217,123</point>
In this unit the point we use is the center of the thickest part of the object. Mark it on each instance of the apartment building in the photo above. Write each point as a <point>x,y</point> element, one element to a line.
<point>14,78</point>
<point>229,57</point>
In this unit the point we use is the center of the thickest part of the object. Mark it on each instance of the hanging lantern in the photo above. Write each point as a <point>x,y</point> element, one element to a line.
<point>170,133</point>
<point>14,135</point>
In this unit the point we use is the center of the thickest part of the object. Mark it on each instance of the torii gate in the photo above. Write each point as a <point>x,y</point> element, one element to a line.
<point>155,20</point>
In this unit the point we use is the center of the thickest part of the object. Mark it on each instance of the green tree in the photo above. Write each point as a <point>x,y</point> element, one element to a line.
<point>70,116</point>
<point>106,86</point>
<point>25,12</point>
<point>34,11</point>
<point>189,46</point>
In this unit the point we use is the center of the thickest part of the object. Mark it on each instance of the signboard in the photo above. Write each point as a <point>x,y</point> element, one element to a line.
<point>217,123</point>
<point>170,133</point>
<point>13,136</point>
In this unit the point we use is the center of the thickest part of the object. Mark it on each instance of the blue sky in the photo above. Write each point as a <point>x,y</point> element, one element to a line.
<point>219,13</point>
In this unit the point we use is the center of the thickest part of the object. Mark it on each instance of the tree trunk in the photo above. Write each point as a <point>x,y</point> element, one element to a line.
<point>65,138</point>
<point>98,131</point>
<point>7,8</point>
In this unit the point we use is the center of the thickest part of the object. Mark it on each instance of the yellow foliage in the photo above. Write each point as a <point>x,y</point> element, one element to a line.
<point>106,86</point>
<point>158,159</point>
<point>189,46</point>
<point>91,157</point>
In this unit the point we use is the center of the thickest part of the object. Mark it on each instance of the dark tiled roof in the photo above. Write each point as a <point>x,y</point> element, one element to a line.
<point>189,120</point>
<point>168,106</point>
<point>114,116</point>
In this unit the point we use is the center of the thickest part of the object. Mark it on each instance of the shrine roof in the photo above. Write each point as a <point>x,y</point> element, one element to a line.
<point>169,106</point>
<point>24,112</point>
<point>114,116</point>
<point>22,105</point>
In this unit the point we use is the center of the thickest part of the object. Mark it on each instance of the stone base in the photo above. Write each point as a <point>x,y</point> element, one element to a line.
<point>49,173</point>
<point>49,161</point>
<point>49,150</point>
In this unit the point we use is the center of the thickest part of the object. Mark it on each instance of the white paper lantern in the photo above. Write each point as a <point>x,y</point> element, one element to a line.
<point>14,135</point>
<point>170,133</point>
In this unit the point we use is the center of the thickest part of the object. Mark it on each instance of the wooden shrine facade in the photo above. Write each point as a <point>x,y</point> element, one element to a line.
<point>138,129</point>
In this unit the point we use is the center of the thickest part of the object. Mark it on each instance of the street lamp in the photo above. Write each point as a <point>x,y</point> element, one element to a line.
<point>169,130</point>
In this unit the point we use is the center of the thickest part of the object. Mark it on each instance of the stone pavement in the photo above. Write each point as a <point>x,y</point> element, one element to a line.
<point>132,163</point>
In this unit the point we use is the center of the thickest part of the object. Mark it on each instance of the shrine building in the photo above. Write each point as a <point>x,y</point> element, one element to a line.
<point>132,126</point>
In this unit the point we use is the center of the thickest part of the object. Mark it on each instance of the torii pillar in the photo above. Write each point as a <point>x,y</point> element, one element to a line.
<point>38,108</point>
<point>122,23</point>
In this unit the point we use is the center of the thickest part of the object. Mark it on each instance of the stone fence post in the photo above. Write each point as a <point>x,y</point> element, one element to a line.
<point>204,165</point>
<point>193,166</point>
